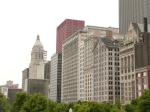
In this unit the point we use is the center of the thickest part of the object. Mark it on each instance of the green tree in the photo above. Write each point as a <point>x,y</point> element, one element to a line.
<point>61,107</point>
<point>4,105</point>
<point>35,103</point>
<point>144,102</point>
<point>96,107</point>
<point>51,106</point>
<point>130,108</point>
<point>20,99</point>
<point>92,107</point>
<point>81,107</point>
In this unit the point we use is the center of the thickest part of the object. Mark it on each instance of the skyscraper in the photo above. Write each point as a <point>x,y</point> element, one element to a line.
<point>77,64</point>
<point>72,68</point>
<point>106,70</point>
<point>55,77</point>
<point>36,78</point>
<point>36,68</point>
<point>65,29</point>
<point>132,11</point>
<point>142,61</point>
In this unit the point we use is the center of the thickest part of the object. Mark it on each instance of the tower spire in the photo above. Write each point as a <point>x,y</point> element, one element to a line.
<point>38,37</point>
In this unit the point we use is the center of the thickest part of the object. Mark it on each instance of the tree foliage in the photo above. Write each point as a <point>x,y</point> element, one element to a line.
<point>61,107</point>
<point>21,98</point>
<point>144,102</point>
<point>92,107</point>
<point>39,103</point>
<point>141,104</point>
<point>4,106</point>
<point>35,103</point>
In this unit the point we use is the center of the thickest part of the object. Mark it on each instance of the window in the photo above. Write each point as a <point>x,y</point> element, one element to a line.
<point>110,49</point>
<point>110,63</point>
<point>110,53</point>
<point>110,68</point>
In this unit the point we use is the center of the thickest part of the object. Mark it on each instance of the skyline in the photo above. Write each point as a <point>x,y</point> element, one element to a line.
<point>21,21</point>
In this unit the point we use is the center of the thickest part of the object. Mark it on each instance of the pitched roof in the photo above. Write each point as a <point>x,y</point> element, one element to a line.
<point>109,42</point>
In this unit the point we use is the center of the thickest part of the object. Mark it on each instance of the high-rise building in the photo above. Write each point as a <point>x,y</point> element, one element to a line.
<point>36,68</point>
<point>132,11</point>
<point>106,78</point>
<point>93,32</point>
<point>25,75</point>
<point>142,61</point>
<point>47,70</point>
<point>127,64</point>
<point>77,64</point>
<point>36,78</point>
<point>65,29</point>
<point>55,80</point>
<point>72,68</point>
<point>92,62</point>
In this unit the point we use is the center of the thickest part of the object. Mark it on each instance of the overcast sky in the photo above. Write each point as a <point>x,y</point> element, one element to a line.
<point>22,20</point>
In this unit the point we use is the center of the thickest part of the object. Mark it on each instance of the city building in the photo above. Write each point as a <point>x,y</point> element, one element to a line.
<point>36,67</point>
<point>25,75</point>
<point>47,70</point>
<point>127,63</point>
<point>9,86</point>
<point>106,77</point>
<point>93,33</point>
<point>132,11</point>
<point>36,77</point>
<point>37,86</point>
<point>142,60</point>
<point>71,68</point>
<point>55,77</point>
<point>77,81</point>
<point>12,94</point>
<point>65,29</point>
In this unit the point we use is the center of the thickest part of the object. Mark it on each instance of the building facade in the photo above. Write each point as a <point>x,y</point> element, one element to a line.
<point>55,77</point>
<point>36,67</point>
<point>36,78</point>
<point>132,11</point>
<point>65,29</point>
<point>47,70</point>
<point>72,56</point>
<point>12,94</point>
<point>4,89</point>
<point>77,60</point>
<point>93,34</point>
<point>142,61</point>
<point>25,75</point>
<point>101,69</point>
<point>127,64</point>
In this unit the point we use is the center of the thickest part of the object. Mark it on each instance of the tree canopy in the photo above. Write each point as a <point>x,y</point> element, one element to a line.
<point>38,103</point>
<point>4,106</point>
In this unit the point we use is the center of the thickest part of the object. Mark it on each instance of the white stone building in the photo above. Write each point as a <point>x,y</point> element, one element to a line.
<point>37,79</point>
<point>36,67</point>
<point>77,61</point>
<point>128,83</point>
<point>72,68</point>
<point>106,77</point>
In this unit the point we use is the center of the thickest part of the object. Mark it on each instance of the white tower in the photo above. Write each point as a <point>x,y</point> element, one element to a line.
<point>36,67</point>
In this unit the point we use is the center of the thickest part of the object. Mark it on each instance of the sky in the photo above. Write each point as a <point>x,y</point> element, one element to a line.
<point>22,20</point>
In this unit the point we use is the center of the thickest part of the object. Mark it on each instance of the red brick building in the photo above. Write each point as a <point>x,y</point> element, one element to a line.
<point>65,29</point>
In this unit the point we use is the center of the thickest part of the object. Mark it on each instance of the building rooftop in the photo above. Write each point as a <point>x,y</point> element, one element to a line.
<point>109,42</point>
